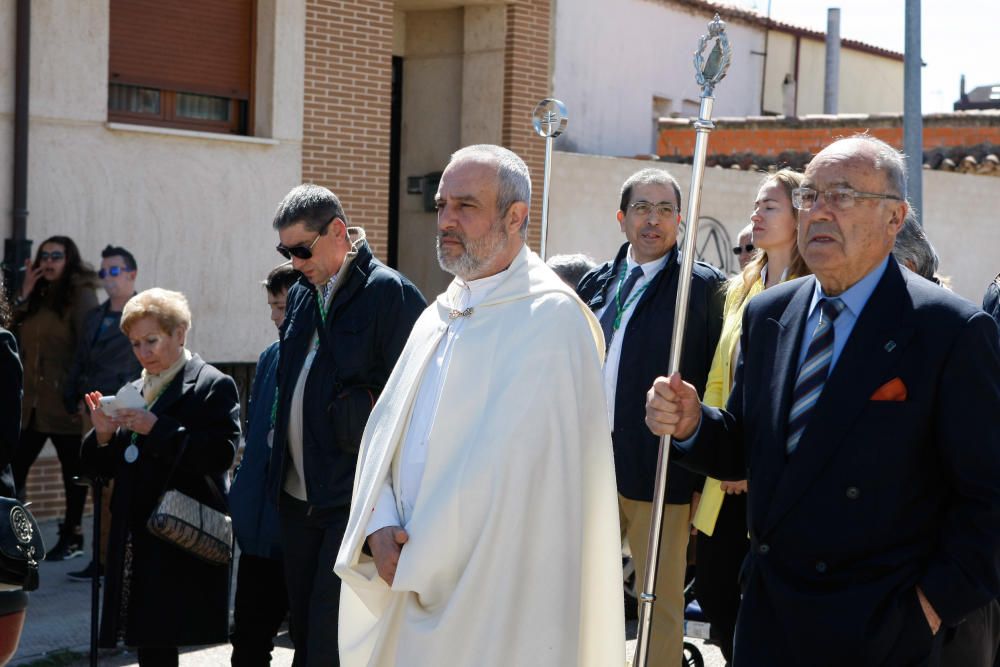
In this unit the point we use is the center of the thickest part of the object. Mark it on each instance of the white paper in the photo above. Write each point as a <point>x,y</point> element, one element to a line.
<point>128,397</point>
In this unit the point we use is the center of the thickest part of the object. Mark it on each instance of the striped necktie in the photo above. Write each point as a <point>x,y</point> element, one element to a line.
<point>813,372</point>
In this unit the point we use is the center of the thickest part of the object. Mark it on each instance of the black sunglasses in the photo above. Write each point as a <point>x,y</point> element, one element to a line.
<point>302,251</point>
<point>738,250</point>
<point>113,271</point>
<point>54,256</point>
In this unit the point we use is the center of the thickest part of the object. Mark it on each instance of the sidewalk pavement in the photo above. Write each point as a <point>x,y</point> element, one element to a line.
<point>58,620</point>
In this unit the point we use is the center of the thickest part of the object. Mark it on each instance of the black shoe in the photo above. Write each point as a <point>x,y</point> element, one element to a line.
<point>87,573</point>
<point>70,545</point>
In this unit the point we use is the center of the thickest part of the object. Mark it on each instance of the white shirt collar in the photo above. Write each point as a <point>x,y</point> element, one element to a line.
<point>763,274</point>
<point>649,269</point>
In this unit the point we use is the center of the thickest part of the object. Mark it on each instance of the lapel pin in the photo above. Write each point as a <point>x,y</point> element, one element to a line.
<point>890,346</point>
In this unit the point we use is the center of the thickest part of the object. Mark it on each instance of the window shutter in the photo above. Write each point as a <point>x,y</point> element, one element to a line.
<point>194,46</point>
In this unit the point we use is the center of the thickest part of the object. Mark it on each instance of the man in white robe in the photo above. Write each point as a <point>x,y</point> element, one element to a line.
<point>484,526</point>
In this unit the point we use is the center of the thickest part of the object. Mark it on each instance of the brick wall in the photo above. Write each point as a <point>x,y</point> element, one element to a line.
<point>526,82</point>
<point>773,136</point>
<point>345,133</point>
<point>45,488</point>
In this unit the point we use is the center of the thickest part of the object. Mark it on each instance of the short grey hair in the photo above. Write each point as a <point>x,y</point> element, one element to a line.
<point>648,176</point>
<point>513,179</point>
<point>312,205</point>
<point>913,248</point>
<point>571,268</point>
<point>888,160</point>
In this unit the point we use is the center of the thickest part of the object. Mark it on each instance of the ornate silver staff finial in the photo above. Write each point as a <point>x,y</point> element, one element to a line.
<point>549,119</point>
<point>709,73</point>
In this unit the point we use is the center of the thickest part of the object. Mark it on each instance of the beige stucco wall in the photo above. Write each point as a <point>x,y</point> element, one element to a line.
<point>195,209</point>
<point>585,192</point>
<point>453,71</point>
<point>868,83</point>
<point>612,58</point>
<point>960,212</point>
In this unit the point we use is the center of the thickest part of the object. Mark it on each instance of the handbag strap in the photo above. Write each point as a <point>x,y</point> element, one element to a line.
<point>212,486</point>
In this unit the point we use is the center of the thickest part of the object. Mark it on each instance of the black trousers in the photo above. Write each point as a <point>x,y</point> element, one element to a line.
<point>311,537</point>
<point>68,450</point>
<point>973,642</point>
<point>260,608</point>
<point>157,656</point>
<point>718,560</point>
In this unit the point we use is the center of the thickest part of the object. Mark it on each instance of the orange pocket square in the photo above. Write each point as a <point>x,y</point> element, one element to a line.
<point>893,390</point>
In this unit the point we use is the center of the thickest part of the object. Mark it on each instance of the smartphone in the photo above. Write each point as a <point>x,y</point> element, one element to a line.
<point>109,405</point>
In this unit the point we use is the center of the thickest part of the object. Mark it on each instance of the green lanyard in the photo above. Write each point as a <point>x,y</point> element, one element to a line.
<point>619,308</point>
<point>322,307</point>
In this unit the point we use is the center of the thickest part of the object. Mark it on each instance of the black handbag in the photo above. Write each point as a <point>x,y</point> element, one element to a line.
<point>21,545</point>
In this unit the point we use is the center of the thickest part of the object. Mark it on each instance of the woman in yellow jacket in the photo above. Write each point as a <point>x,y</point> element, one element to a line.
<point>721,515</point>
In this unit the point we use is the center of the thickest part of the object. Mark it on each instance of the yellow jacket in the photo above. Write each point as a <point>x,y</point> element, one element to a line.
<point>720,383</point>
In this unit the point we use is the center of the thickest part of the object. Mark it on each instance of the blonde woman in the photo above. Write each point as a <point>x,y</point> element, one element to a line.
<point>159,597</point>
<point>721,516</point>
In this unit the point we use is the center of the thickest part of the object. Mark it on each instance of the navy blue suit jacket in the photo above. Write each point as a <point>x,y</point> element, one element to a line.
<point>880,496</point>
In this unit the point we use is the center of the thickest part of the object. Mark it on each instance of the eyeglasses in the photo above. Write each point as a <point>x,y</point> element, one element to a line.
<point>299,251</point>
<point>839,199</point>
<point>644,208</point>
<point>113,271</point>
<point>55,256</point>
<point>740,249</point>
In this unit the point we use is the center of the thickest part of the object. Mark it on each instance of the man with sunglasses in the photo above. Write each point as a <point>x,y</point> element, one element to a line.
<point>864,415</point>
<point>346,321</point>
<point>744,246</point>
<point>634,296</point>
<point>104,360</point>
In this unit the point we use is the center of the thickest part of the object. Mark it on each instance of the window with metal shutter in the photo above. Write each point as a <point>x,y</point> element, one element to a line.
<point>182,63</point>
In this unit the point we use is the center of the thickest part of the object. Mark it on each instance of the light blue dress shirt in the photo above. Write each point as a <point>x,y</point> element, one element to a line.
<point>855,298</point>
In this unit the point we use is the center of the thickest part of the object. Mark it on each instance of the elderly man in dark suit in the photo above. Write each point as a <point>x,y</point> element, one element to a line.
<point>864,415</point>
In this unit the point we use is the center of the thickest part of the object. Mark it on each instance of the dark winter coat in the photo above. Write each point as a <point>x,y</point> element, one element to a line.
<point>47,340</point>
<point>367,324</point>
<point>255,519</point>
<point>167,597</point>
<point>11,378</point>
<point>104,360</point>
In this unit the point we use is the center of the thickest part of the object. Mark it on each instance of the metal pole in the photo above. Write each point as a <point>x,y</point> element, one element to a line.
<point>831,86</point>
<point>95,582</point>
<point>709,73</point>
<point>545,197</point>
<point>913,120</point>
<point>17,248</point>
<point>549,119</point>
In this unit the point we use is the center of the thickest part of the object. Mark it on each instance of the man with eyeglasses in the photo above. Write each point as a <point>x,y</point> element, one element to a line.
<point>634,297</point>
<point>864,414</point>
<point>103,362</point>
<point>346,321</point>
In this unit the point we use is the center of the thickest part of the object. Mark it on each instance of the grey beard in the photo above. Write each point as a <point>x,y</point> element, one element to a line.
<point>477,253</point>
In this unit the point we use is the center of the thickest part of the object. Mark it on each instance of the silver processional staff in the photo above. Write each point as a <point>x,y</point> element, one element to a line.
<point>707,73</point>
<point>549,119</point>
